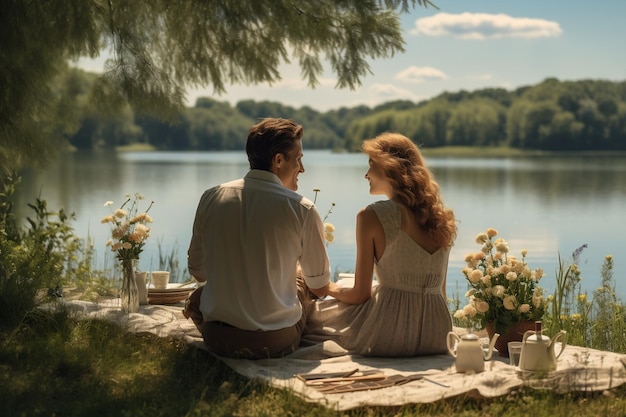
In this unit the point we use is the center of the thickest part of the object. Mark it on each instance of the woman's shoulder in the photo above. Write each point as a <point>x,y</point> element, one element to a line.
<point>381,205</point>
<point>384,209</point>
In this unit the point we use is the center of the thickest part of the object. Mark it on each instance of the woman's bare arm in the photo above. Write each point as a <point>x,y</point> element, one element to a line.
<point>368,228</point>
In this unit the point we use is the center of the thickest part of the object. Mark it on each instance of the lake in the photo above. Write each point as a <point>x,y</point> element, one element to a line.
<point>547,205</point>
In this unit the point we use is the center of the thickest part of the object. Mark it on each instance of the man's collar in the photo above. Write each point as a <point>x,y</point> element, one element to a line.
<point>260,174</point>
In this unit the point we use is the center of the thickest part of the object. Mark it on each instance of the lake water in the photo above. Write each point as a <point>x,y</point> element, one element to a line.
<point>547,205</point>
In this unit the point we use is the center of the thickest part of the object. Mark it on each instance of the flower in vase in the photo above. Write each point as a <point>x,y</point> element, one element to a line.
<point>128,227</point>
<point>502,288</point>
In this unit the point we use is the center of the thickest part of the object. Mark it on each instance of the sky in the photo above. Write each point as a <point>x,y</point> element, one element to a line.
<point>465,45</point>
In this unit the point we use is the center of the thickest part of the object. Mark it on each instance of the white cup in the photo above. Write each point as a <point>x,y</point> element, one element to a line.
<point>160,279</point>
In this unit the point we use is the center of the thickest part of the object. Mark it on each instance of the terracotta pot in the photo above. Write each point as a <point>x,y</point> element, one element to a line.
<point>514,333</point>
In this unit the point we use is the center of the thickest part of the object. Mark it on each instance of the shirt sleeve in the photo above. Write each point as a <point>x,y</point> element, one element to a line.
<point>314,260</point>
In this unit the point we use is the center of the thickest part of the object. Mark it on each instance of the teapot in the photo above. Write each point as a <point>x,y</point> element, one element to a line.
<point>469,352</point>
<point>538,351</point>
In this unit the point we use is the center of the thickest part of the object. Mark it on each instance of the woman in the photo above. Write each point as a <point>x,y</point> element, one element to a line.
<point>405,241</point>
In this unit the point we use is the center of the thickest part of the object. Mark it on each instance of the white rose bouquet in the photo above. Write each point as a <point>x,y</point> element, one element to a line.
<point>503,289</point>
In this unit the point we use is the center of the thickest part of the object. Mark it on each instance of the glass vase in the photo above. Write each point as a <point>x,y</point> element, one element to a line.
<point>129,295</point>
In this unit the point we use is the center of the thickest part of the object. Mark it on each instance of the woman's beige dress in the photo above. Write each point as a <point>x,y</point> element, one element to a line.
<point>407,314</point>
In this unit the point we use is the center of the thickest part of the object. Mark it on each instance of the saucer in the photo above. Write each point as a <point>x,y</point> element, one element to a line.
<point>168,295</point>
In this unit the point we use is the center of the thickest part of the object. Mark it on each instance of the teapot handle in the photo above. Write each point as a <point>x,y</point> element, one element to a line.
<point>563,336</point>
<point>527,333</point>
<point>451,340</point>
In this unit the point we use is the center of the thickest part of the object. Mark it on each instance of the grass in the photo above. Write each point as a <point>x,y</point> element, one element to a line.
<point>57,364</point>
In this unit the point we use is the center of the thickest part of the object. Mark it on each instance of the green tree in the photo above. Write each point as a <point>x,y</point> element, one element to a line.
<point>431,123</point>
<point>159,47</point>
<point>216,125</point>
<point>475,122</point>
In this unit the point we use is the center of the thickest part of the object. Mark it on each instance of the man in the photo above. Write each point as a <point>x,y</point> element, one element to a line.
<point>249,237</point>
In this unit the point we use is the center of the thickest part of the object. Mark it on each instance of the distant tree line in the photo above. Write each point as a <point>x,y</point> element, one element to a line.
<point>552,115</point>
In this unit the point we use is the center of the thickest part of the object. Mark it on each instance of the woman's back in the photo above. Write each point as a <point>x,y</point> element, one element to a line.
<point>407,314</point>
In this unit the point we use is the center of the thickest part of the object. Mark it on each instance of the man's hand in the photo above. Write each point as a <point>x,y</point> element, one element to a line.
<point>323,291</point>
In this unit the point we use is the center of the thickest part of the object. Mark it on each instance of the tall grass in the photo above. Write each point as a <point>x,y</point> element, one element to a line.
<point>598,321</point>
<point>170,262</point>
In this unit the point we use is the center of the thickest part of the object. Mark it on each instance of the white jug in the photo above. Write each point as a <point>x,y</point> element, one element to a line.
<point>469,352</point>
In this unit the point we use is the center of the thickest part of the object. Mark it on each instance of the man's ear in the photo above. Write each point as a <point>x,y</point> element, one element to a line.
<point>278,160</point>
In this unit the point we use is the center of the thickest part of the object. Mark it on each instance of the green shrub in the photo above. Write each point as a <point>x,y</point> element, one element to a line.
<point>38,259</point>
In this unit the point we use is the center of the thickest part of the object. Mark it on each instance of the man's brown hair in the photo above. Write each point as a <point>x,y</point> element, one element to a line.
<point>269,137</point>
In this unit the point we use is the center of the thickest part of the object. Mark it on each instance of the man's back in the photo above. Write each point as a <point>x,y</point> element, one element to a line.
<point>248,236</point>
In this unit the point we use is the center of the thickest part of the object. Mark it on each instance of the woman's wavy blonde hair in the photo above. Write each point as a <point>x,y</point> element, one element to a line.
<point>402,162</point>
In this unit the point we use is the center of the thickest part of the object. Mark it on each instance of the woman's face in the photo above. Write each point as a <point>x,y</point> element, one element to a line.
<point>379,183</point>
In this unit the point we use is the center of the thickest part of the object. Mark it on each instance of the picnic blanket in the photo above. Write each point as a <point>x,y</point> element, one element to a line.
<point>395,381</point>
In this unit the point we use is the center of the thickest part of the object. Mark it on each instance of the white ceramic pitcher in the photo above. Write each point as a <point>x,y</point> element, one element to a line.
<point>469,352</point>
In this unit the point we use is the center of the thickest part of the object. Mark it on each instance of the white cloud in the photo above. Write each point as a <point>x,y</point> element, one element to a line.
<point>420,74</point>
<point>485,26</point>
<point>388,92</point>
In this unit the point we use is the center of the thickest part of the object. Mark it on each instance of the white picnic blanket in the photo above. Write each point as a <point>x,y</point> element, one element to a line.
<point>578,369</point>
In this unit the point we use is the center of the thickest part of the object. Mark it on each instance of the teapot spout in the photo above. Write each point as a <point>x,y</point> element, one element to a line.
<point>491,344</point>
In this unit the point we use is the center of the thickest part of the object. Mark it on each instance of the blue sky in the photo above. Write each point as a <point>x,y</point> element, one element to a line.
<point>469,45</point>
